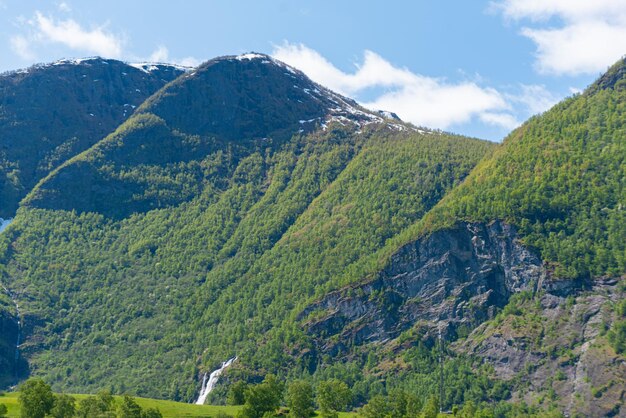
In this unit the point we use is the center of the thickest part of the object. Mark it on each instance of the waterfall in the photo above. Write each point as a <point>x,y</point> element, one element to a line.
<point>4,223</point>
<point>209,385</point>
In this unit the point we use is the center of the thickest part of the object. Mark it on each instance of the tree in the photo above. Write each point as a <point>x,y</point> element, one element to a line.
<point>236,393</point>
<point>64,406</point>
<point>36,398</point>
<point>3,410</point>
<point>100,406</point>
<point>397,404</point>
<point>128,408</point>
<point>332,396</point>
<point>431,408</point>
<point>151,413</point>
<point>263,398</point>
<point>300,399</point>
<point>377,407</point>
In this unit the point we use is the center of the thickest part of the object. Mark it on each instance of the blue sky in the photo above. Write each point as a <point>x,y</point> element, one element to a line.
<point>473,67</point>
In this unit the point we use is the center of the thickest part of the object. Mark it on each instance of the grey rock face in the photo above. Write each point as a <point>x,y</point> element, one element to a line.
<point>451,278</point>
<point>456,279</point>
<point>559,346</point>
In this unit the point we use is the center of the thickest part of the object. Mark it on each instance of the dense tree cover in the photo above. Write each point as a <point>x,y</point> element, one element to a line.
<point>236,393</point>
<point>403,405</point>
<point>164,258</point>
<point>50,113</point>
<point>64,406</point>
<point>187,237</point>
<point>226,272</point>
<point>414,375</point>
<point>560,179</point>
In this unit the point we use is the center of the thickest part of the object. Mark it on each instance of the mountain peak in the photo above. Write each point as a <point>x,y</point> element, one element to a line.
<point>253,55</point>
<point>615,77</point>
<point>254,96</point>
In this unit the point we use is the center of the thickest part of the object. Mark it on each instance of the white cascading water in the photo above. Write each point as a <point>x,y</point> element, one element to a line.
<point>209,385</point>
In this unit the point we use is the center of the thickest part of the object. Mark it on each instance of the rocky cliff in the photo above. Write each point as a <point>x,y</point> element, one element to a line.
<point>452,278</point>
<point>554,348</point>
<point>495,300</point>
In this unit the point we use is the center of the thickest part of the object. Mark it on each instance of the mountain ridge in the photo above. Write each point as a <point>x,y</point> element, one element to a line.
<point>51,112</point>
<point>230,111</point>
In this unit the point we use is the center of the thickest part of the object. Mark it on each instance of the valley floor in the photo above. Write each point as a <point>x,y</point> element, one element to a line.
<point>169,409</point>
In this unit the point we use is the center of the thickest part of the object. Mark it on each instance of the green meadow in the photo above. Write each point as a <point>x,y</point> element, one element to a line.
<point>169,409</point>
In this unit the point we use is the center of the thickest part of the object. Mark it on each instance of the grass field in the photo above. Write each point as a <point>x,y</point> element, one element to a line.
<point>169,409</point>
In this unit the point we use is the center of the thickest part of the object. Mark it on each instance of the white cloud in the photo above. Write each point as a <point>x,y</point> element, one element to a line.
<point>591,34</point>
<point>189,62</point>
<point>500,119</point>
<point>419,99</point>
<point>21,46</point>
<point>433,103</point>
<point>538,10</point>
<point>535,98</point>
<point>64,7</point>
<point>161,54</point>
<point>41,30</point>
<point>72,35</point>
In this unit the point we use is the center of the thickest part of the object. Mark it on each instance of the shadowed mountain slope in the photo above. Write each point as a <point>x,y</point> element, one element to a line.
<point>51,112</point>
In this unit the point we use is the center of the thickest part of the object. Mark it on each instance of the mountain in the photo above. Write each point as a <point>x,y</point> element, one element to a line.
<point>243,210</point>
<point>523,264</point>
<point>199,229</point>
<point>51,112</point>
<point>220,106</point>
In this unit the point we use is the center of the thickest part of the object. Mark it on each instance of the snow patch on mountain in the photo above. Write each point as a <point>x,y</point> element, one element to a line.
<point>148,67</point>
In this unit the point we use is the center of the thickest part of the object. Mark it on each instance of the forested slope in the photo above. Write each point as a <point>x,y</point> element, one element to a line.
<point>175,242</point>
<point>560,178</point>
<point>533,242</point>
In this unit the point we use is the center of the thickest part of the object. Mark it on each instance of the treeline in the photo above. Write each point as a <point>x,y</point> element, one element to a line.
<point>270,398</point>
<point>37,400</point>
